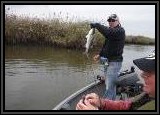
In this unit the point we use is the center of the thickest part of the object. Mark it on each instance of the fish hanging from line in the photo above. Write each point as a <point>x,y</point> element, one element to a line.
<point>90,37</point>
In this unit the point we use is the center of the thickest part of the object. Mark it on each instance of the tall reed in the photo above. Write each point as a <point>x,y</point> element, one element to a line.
<point>55,32</point>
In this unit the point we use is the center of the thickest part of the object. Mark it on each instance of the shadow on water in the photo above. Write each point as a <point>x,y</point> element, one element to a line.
<point>38,78</point>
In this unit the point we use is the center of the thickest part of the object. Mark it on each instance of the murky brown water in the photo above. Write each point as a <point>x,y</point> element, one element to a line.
<point>38,78</point>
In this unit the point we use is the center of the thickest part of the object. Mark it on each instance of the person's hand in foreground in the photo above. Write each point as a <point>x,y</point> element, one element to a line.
<point>91,102</point>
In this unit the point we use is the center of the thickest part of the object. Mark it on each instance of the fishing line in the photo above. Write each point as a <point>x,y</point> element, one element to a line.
<point>96,89</point>
<point>90,37</point>
<point>91,65</point>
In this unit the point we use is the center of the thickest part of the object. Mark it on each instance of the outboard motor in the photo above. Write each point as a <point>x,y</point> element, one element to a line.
<point>127,78</point>
<point>127,83</point>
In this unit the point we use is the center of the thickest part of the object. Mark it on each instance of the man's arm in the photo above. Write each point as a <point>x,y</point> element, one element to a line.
<point>109,33</point>
<point>101,28</point>
<point>107,104</point>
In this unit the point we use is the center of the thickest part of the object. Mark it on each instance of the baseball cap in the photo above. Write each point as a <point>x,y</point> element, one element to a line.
<point>113,17</point>
<point>146,64</point>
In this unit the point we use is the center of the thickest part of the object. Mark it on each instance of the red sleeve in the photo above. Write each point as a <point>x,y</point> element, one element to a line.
<point>107,104</point>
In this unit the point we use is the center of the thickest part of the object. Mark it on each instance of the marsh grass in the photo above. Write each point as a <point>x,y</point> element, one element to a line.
<point>54,32</point>
<point>139,40</point>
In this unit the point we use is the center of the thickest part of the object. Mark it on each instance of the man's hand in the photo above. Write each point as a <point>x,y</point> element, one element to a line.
<point>85,106</point>
<point>93,25</point>
<point>96,58</point>
<point>94,99</point>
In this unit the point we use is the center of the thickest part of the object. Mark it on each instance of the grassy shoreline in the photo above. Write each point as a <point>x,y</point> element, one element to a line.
<point>56,33</point>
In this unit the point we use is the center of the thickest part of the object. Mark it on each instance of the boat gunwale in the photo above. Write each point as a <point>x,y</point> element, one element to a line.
<point>72,96</point>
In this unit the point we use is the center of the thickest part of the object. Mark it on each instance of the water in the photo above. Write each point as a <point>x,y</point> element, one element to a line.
<point>38,78</point>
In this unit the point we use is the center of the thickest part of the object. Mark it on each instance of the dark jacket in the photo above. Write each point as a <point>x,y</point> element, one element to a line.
<point>114,42</point>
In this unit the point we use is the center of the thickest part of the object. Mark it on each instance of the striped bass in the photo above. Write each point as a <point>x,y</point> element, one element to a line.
<point>89,37</point>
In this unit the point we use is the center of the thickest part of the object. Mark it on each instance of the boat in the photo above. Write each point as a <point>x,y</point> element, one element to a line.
<point>127,79</point>
<point>70,102</point>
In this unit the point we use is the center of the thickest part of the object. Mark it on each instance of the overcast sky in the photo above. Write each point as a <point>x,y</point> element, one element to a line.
<point>136,19</point>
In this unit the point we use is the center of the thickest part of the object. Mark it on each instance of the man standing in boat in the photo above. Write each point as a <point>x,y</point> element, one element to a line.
<point>111,52</point>
<point>147,66</point>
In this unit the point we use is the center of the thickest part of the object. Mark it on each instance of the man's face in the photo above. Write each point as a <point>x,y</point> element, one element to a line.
<point>113,23</point>
<point>149,86</point>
